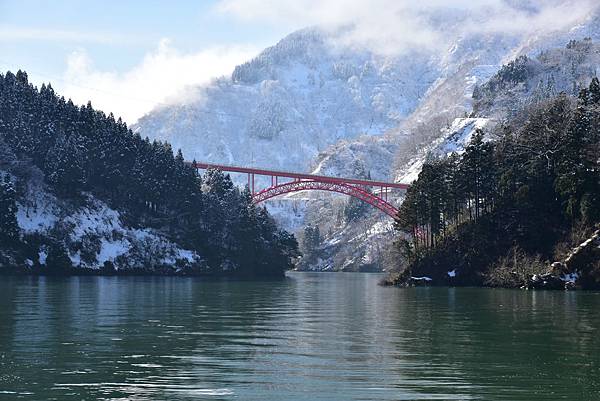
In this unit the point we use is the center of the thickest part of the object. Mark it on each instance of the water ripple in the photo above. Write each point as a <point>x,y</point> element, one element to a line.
<point>311,337</point>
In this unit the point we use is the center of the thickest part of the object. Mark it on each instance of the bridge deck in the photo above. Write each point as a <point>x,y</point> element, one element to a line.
<point>299,176</point>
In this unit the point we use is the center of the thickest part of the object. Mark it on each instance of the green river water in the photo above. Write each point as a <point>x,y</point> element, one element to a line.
<point>310,337</point>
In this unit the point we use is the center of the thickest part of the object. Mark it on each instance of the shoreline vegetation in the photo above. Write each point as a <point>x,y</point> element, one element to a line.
<point>519,211</point>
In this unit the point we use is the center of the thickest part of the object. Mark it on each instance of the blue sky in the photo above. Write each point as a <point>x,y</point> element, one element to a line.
<point>47,38</point>
<point>117,33</point>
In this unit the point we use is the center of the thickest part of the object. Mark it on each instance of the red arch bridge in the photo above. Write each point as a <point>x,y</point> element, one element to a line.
<point>283,182</point>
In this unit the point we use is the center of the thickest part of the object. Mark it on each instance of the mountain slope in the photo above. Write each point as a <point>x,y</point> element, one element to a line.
<point>292,102</point>
<point>79,192</point>
<point>438,126</point>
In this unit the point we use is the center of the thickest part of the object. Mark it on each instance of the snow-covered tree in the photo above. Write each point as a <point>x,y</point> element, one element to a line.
<point>9,229</point>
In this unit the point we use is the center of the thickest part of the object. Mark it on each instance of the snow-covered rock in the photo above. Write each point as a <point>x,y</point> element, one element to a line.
<point>539,76</point>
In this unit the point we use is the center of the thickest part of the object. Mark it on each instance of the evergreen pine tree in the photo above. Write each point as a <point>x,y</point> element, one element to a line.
<point>58,260</point>
<point>9,229</point>
<point>355,209</point>
<point>594,91</point>
<point>64,165</point>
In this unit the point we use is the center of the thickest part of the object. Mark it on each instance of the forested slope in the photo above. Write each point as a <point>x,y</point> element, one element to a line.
<point>501,212</point>
<point>74,168</point>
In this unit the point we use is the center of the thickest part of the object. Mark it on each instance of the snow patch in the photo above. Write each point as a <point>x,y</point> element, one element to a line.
<point>186,255</point>
<point>75,258</point>
<point>42,255</point>
<point>110,250</point>
<point>96,218</point>
<point>38,217</point>
<point>570,278</point>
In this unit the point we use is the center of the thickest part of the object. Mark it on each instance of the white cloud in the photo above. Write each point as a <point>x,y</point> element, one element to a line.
<point>162,74</point>
<point>391,26</point>
<point>387,26</point>
<point>9,33</point>
<point>539,15</point>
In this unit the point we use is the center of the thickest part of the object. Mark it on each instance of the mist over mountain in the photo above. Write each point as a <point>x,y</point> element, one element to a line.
<point>291,102</point>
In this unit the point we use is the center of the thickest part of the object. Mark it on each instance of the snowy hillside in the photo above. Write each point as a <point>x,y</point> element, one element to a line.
<point>451,140</point>
<point>470,61</point>
<point>530,79</point>
<point>94,235</point>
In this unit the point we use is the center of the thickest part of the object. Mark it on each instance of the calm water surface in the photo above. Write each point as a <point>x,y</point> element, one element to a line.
<point>310,337</point>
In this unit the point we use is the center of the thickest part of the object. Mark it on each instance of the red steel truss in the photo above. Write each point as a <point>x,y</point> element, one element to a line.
<point>302,182</point>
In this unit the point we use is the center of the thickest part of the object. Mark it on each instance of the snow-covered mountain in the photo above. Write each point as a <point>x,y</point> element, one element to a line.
<point>310,104</point>
<point>293,101</point>
<point>536,77</point>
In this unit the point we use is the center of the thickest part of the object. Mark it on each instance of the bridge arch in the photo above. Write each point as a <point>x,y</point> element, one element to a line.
<point>302,182</point>
<point>342,188</point>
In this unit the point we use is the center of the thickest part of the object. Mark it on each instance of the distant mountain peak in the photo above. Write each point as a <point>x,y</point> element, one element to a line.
<point>302,46</point>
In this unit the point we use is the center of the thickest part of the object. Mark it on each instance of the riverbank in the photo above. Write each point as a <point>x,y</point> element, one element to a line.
<point>579,269</point>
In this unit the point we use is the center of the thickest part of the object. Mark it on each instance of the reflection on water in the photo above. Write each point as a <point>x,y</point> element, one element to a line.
<point>310,337</point>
